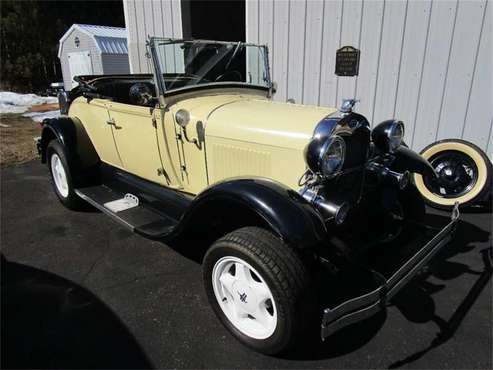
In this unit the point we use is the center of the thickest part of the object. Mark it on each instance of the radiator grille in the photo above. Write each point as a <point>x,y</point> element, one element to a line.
<point>231,161</point>
<point>357,145</point>
<point>349,184</point>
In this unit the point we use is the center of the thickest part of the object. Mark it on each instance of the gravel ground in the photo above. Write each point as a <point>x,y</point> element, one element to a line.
<point>79,290</point>
<point>17,135</point>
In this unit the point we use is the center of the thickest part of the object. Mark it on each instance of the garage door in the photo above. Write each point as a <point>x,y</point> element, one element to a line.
<point>79,64</point>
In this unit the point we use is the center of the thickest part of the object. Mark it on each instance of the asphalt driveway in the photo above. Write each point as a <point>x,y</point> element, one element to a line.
<point>79,290</point>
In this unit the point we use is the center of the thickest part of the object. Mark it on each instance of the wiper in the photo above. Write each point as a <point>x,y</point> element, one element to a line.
<point>232,56</point>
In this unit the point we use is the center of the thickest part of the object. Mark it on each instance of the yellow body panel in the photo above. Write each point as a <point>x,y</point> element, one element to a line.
<point>94,116</point>
<point>168,147</point>
<point>136,140</point>
<point>245,134</point>
<point>192,157</point>
<point>266,122</point>
<point>231,158</point>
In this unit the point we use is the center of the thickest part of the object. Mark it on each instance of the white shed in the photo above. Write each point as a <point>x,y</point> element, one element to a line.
<point>92,50</point>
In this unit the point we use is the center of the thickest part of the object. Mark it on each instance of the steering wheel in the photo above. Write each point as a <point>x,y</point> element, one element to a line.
<point>234,73</point>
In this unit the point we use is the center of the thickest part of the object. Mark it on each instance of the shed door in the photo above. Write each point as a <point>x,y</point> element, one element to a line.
<point>79,64</point>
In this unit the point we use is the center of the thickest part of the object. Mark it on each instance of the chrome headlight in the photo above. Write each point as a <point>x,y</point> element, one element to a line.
<point>325,158</point>
<point>182,117</point>
<point>388,135</point>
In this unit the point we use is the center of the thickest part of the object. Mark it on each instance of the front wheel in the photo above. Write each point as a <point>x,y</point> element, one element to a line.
<point>258,288</point>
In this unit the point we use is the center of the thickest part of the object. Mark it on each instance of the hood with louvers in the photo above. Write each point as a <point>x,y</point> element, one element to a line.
<point>259,137</point>
<point>266,122</point>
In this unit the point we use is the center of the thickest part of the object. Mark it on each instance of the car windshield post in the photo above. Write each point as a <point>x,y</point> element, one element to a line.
<point>265,52</point>
<point>160,83</point>
<point>188,63</point>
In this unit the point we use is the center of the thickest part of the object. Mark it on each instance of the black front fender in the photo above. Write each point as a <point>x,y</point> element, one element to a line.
<point>285,212</point>
<point>408,160</point>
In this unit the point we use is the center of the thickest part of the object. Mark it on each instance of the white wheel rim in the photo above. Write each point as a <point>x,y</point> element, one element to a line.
<point>244,297</point>
<point>59,175</point>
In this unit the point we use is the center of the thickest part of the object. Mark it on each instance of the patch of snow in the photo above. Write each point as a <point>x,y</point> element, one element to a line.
<point>8,108</point>
<point>11,102</point>
<point>40,116</point>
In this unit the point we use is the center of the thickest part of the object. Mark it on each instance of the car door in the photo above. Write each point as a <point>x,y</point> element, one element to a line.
<point>94,115</point>
<point>134,129</point>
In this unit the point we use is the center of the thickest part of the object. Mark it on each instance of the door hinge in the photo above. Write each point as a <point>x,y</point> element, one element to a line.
<point>154,123</point>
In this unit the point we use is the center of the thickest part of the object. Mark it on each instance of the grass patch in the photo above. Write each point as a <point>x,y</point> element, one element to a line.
<point>16,139</point>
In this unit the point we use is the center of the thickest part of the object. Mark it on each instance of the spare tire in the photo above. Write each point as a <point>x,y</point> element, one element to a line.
<point>464,174</point>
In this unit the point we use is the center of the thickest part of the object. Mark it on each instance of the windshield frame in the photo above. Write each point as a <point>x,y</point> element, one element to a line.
<point>153,42</point>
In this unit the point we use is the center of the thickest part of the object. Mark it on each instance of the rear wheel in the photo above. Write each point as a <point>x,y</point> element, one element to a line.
<point>464,174</point>
<point>61,176</point>
<point>258,288</point>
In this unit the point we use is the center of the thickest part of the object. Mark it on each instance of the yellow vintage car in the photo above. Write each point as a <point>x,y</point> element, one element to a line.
<point>285,201</point>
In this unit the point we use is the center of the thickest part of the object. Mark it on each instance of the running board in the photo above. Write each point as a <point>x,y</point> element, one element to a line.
<point>141,219</point>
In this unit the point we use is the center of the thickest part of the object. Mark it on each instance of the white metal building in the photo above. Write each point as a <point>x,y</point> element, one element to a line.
<point>426,62</point>
<point>92,50</point>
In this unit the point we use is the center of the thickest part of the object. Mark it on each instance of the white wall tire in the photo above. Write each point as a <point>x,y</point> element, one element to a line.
<point>61,176</point>
<point>476,165</point>
<point>259,289</point>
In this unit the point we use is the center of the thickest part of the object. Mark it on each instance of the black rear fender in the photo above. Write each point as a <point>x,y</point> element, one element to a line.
<point>70,132</point>
<point>255,202</point>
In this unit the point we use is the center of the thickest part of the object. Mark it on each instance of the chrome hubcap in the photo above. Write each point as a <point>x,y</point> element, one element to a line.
<point>244,297</point>
<point>59,175</point>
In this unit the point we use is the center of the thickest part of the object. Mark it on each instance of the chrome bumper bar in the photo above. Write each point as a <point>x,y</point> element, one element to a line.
<point>365,306</point>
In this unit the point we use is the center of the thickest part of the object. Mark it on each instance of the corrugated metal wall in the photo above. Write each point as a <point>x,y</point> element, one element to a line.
<point>145,18</point>
<point>425,62</point>
<point>115,63</point>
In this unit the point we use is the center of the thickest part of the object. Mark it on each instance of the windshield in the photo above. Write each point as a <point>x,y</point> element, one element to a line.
<point>190,63</point>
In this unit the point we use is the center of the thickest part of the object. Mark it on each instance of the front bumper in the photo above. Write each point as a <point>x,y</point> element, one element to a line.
<point>366,305</point>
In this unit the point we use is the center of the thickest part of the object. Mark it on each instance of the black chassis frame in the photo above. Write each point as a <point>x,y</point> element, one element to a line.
<point>260,201</point>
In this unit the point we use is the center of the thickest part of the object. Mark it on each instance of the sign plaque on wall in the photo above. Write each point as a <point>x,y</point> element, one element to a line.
<point>347,61</point>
